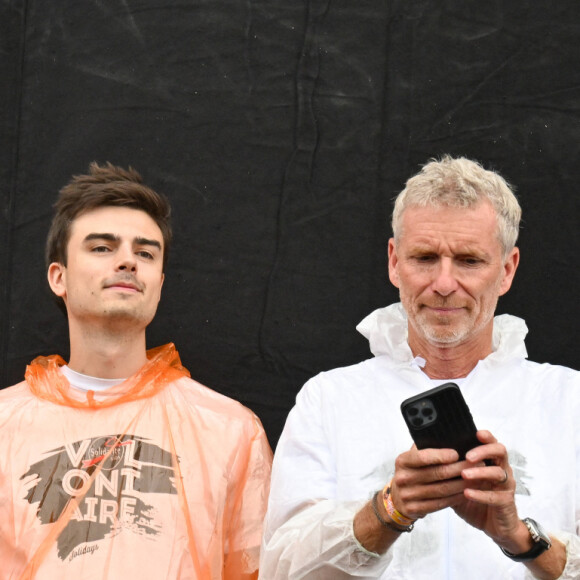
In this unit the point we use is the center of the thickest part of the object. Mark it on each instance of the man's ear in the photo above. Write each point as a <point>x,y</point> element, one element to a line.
<point>509,270</point>
<point>393,261</point>
<point>56,275</point>
<point>161,286</point>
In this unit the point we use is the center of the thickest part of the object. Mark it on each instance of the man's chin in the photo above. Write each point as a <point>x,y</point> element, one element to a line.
<point>127,316</point>
<point>442,335</point>
<point>444,341</point>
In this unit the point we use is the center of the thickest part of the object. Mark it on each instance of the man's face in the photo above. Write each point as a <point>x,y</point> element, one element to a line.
<point>449,267</point>
<point>114,268</point>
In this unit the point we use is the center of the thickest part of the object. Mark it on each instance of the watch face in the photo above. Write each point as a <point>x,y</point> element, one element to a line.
<point>538,534</point>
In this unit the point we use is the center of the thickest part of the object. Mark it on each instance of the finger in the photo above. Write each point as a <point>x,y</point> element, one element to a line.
<point>491,497</point>
<point>418,497</point>
<point>494,475</point>
<point>485,436</point>
<point>410,477</point>
<point>505,477</point>
<point>419,508</point>
<point>418,458</point>
<point>496,452</point>
<point>439,473</point>
<point>440,489</point>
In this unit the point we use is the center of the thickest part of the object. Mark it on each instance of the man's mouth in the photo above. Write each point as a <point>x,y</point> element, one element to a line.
<point>445,309</point>
<point>123,285</point>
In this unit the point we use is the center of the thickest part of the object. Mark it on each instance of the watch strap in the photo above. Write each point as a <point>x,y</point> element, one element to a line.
<point>541,543</point>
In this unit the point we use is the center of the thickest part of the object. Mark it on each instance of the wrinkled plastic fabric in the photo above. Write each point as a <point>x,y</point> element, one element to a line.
<point>47,382</point>
<point>346,431</point>
<point>158,477</point>
<point>386,331</point>
<point>319,543</point>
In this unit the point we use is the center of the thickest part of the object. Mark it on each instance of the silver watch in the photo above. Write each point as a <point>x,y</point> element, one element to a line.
<point>540,538</point>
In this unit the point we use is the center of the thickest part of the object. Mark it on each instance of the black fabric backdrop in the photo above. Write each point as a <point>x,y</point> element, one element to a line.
<point>281,131</point>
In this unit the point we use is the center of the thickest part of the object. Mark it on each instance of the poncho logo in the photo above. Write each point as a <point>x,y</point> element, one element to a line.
<point>109,476</point>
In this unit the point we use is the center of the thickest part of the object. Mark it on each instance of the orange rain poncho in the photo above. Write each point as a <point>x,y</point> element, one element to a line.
<point>158,478</point>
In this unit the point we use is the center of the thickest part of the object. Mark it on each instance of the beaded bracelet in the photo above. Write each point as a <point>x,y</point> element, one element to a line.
<point>389,525</point>
<point>395,514</point>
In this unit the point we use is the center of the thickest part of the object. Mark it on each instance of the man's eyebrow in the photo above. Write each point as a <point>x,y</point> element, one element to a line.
<point>113,238</point>
<point>422,248</point>
<point>472,251</point>
<point>97,236</point>
<point>147,242</point>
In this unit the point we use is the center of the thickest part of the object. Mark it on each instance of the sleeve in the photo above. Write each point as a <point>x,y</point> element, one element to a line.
<point>572,543</point>
<point>247,502</point>
<point>570,540</point>
<point>308,531</point>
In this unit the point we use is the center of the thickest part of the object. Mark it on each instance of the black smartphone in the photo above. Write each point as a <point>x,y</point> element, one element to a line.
<point>440,418</point>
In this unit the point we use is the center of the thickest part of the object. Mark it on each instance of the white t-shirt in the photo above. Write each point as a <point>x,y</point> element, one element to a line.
<point>87,383</point>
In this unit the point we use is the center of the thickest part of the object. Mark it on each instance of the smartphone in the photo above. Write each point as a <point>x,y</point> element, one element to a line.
<point>440,418</point>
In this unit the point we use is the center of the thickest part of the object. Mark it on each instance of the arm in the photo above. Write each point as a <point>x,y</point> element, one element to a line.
<point>246,504</point>
<point>307,529</point>
<point>425,481</point>
<point>489,505</point>
<point>310,530</point>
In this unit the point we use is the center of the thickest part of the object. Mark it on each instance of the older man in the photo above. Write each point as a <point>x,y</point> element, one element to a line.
<point>352,497</point>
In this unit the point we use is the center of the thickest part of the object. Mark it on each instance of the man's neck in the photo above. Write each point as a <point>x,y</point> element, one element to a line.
<point>106,354</point>
<point>451,361</point>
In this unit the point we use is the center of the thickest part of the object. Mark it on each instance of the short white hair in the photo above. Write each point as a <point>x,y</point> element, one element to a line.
<point>461,182</point>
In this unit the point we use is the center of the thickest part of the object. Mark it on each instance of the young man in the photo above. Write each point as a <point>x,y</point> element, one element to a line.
<point>347,482</point>
<point>117,464</point>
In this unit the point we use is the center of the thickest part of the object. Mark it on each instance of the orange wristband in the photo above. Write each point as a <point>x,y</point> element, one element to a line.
<point>395,514</point>
<point>390,525</point>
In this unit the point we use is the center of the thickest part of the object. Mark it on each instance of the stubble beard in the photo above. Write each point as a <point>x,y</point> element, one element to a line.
<point>446,333</point>
<point>126,315</point>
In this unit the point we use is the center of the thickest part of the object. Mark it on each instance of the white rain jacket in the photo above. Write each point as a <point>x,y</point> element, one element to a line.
<point>340,443</point>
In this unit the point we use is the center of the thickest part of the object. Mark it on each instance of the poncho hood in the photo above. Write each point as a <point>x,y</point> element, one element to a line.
<point>47,382</point>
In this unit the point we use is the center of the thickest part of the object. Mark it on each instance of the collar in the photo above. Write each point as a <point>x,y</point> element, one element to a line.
<point>47,381</point>
<point>387,329</point>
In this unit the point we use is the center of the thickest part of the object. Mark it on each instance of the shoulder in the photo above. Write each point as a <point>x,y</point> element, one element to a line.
<point>14,396</point>
<point>15,403</point>
<point>554,381</point>
<point>546,372</point>
<point>342,385</point>
<point>211,403</point>
<point>359,370</point>
<point>539,383</point>
<point>359,373</point>
<point>226,427</point>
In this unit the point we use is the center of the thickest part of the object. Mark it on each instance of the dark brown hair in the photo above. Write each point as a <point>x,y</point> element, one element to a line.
<point>104,185</point>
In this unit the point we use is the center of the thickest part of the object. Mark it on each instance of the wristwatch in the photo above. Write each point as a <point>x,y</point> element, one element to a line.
<point>541,542</point>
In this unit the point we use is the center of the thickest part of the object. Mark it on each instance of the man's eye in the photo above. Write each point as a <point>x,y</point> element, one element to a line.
<point>471,261</point>
<point>100,249</point>
<point>145,254</point>
<point>425,258</point>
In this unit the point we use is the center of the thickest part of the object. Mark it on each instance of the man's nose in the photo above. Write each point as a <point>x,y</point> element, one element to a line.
<point>445,281</point>
<point>126,259</point>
